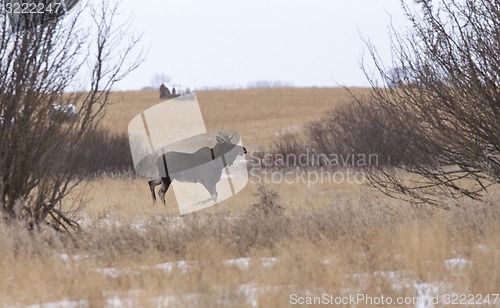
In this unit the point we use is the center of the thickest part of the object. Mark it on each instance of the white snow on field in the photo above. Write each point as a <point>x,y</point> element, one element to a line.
<point>483,247</point>
<point>108,223</point>
<point>111,272</point>
<point>425,292</point>
<point>66,258</point>
<point>456,263</point>
<point>268,262</point>
<point>251,293</point>
<point>183,266</point>
<point>140,224</point>
<point>400,281</point>
<point>119,301</point>
<point>242,263</point>
<point>175,222</point>
<point>85,222</point>
<point>175,300</point>
<point>65,303</point>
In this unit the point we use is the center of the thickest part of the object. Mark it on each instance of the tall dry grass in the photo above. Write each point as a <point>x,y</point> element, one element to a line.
<point>257,114</point>
<point>346,244</point>
<point>257,248</point>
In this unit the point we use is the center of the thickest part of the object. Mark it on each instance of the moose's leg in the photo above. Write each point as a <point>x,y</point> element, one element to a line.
<point>152,185</point>
<point>165,183</point>
<point>211,187</point>
<point>213,192</point>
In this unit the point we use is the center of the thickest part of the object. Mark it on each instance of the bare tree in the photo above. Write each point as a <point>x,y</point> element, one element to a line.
<point>158,79</point>
<point>451,109</point>
<point>41,64</point>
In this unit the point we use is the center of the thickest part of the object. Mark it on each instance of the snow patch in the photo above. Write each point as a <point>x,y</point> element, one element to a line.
<point>183,266</point>
<point>65,303</point>
<point>425,293</point>
<point>456,263</point>
<point>242,263</point>
<point>140,224</point>
<point>268,262</point>
<point>110,271</point>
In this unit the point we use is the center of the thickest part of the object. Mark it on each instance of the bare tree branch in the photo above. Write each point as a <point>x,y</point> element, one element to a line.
<point>39,64</point>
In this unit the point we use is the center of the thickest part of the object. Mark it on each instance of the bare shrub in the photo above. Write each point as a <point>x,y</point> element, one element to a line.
<point>268,204</point>
<point>283,153</point>
<point>357,127</point>
<point>41,65</point>
<point>104,152</point>
<point>451,108</point>
<point>289,145</point>
<point>99,152</point>
<point>354,128</point>
<point>361,127</point>
<point>264,223</point>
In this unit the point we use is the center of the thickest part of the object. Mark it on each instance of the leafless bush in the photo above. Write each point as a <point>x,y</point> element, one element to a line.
<point>354,129</point>
<point>360,127</point>
<point>264,223</point>
<point>40,64</point>
<point>451,108</point>
<point>104,152</point>
<point>282,153</point>
<point>268,204</point>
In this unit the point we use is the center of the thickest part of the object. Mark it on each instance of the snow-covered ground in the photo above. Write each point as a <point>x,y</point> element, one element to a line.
<point>251,292</point>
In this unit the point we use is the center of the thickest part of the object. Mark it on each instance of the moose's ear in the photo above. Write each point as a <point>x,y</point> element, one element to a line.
<point>219,139</point>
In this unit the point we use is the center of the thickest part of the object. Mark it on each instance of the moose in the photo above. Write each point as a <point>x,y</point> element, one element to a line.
<point>185,170</point>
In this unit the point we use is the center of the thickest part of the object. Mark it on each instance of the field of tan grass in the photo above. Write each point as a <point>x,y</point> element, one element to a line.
<point>257,114</point>
<point>271,245</point>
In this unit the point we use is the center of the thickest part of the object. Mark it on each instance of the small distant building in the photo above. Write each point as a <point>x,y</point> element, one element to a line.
<point>172,91</point>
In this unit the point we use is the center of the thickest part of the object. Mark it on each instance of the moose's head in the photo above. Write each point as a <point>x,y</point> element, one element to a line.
<point>227,149</point>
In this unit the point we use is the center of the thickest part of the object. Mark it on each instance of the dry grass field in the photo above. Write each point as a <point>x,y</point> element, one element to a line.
<point>257,114</point>
<point>273,245</point>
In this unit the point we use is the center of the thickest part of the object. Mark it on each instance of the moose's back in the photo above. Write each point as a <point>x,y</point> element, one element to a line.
<point>174,162</point>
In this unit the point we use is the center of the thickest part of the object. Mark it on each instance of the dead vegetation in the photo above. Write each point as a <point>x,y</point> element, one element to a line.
<point>258,247</point>
<point>345,244</point>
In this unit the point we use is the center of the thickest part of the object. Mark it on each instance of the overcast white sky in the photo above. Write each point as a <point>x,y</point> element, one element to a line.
<point>233,42</point>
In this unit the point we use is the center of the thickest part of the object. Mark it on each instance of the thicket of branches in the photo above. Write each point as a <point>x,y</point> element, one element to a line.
<point>40,64</point>
<point>447,108</point>
<point>360,127</point>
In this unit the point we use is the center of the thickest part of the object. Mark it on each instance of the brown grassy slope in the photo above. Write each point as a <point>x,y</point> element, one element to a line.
<point>128,199</point>
<point>332,238</point>
<point>344,245</point>
<point>257,114</point>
